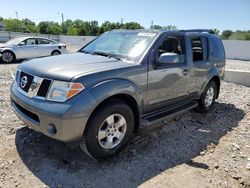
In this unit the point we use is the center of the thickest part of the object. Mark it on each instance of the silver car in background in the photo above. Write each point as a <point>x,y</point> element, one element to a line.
<point>30,47</point>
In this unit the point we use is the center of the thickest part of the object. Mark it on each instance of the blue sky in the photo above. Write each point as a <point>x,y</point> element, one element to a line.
<point>221,14</point>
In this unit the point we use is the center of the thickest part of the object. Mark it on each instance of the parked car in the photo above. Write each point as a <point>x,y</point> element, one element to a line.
<point>100,95</point>
<point>30,47</point>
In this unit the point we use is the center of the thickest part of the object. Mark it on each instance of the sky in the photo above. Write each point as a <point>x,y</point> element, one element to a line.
<point>185,14</point>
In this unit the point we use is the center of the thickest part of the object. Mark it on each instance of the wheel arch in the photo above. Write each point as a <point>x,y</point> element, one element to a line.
<point>55,50</point>
<point>217,81</point>
<point>125,98</point>
<point>118,89</point>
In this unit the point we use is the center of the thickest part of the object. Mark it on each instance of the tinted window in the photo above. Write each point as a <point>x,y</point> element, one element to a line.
<point>197,49</point>
<point>44,41</point>
<point>216,48</point>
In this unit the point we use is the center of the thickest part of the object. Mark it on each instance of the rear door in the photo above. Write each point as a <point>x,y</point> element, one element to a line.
<point>167,83</point>
<point>44,47</point>
<point>201,61</point>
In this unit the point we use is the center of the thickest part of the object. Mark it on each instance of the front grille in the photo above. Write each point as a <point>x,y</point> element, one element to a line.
<point>44,87</point>
<point>27,112</point>
<point>28,84</point>
<point>32,86</point>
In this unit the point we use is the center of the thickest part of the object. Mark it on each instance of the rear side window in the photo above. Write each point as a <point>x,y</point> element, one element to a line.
<point>43,41</point>
<point>199,48</point>
<point>216,48</point>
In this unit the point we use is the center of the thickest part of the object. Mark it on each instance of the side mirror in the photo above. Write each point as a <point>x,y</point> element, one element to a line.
<point>170,58</point>
<point>21,43</point>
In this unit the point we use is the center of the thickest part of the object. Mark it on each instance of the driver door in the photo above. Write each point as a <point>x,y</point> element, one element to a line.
<point>27,49</point>
<point>167,83</point>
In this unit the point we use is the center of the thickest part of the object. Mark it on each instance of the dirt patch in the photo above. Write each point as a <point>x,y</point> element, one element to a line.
<point>194,150</point>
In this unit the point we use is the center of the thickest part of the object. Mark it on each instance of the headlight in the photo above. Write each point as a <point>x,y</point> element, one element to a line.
<point>61,91</point>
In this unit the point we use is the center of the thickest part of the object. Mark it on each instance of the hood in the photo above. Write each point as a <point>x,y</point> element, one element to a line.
<point>65,67</point>
<point>4,45</point>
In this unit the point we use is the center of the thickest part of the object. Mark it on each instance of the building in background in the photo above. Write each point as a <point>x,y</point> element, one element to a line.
<point>1,26</point>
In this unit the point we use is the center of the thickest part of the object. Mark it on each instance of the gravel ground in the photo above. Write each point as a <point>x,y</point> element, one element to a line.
<point>193,150</point>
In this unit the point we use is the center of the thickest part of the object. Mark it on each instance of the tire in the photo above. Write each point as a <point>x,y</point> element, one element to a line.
<point>109,130</point>
<point>56,52</point>
<point>208,97</point>
<point>7,57</point>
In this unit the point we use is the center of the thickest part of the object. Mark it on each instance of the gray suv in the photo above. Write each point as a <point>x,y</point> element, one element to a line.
<point>100,95</point>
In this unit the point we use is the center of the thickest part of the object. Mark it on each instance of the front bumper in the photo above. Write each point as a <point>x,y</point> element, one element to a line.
<point>40,115</point>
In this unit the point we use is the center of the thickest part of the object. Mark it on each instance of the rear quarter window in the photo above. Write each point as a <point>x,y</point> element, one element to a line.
<point>216,48</point>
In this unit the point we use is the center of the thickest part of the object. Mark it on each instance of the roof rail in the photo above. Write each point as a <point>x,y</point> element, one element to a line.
<point>198,31</point>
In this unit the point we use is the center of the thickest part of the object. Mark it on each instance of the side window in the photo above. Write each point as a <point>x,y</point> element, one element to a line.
<point>44,41</point>
<point>216,48</point>
<point>171,45</point>
<point>197,49</point>
<point>30,42</point>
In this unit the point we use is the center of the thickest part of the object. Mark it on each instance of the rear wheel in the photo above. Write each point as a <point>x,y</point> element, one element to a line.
<point>109,130</point>
<point>8,57</point>
<point>208,97</point>
<point>55,52</point>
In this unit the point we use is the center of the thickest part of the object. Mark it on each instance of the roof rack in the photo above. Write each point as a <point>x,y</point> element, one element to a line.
<point>198,31</point>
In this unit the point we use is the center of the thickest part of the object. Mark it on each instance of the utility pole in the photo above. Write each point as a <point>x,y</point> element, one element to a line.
<point>62,19</point>
<point>62,22</point>
<point>17,20</point>
<point>152,24</point>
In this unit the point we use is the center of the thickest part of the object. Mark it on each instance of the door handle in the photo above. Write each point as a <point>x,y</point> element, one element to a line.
<point>185,72</point>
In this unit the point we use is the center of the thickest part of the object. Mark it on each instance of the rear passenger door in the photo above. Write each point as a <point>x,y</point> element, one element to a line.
<point>44,47</point>
<point>201,62</point>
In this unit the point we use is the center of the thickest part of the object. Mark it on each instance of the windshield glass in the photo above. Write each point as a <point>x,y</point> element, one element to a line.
<point>15,41</point>
<point>129,45</point>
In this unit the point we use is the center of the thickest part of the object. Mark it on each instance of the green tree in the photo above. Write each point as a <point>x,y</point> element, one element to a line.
<point>29,26</point>
<point>132,25</point>
<point>170,27</point>
<point>67,25</point>
<point>12,25</point>
<point>49,28</point>
<point>156,27</point>
<point>216,31</point>
<point>226,34</point>
<point>72,31</point>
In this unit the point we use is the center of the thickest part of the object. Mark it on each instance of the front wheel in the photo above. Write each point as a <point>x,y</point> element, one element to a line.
<point>109,130</point>
<point>208,97</point>
<point>8,57</point>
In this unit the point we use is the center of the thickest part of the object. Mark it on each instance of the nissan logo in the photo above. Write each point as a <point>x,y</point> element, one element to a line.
<point>24,81</point>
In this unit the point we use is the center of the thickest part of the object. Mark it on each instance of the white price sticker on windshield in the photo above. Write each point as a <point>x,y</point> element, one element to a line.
<point>146,34</point>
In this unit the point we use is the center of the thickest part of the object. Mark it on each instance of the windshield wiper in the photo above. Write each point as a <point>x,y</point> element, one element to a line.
<point>86,52</point>
<point>107,55</point>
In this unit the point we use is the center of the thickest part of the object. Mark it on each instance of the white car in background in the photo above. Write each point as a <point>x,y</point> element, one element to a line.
<point>30,47</point>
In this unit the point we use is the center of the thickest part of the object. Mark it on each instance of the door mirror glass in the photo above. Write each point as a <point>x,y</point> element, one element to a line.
<point>170,58</point>
<point>21,43</point>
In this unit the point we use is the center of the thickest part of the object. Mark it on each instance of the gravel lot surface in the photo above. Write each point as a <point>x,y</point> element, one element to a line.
<point>193,150</point>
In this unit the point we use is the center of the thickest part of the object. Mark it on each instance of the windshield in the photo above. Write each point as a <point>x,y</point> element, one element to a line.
<point>15,41</point>
<point>129,45</point>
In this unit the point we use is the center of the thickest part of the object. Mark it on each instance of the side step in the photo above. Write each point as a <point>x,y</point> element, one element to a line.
<point>167,113</point>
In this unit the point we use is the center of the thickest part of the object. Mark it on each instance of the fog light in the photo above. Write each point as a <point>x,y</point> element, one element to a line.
<point>51,128</point>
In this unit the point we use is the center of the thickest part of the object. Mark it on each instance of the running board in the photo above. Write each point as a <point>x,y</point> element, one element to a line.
<point>167,114</point>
